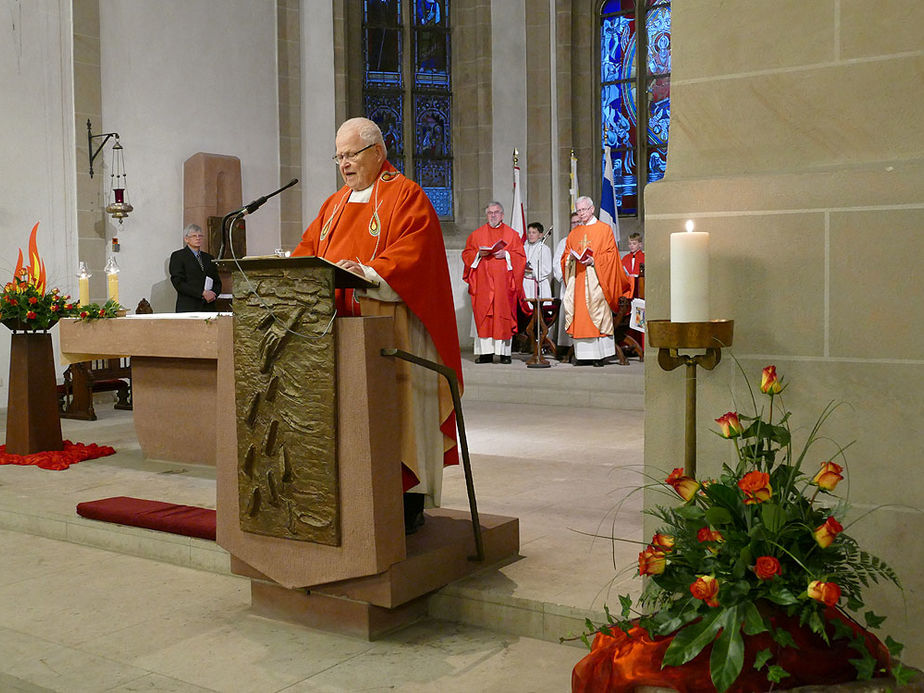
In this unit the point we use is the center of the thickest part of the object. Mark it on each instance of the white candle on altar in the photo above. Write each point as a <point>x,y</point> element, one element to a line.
<point>112,286</point>
<point>690,275</point>
<point>83,285</point>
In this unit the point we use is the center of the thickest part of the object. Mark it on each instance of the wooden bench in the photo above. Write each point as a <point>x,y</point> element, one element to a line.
<point>81,380</point>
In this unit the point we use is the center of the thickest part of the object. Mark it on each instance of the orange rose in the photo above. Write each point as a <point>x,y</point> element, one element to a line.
<point>827,593</point>
<point>828,476</point>
<point>825,534</point>
<point>685,486</point>
<point>651,562</point>
<point>30,315</point>
<point>769,383</point>
<point>756,487</point>
<point>662,542</point>
<point>730,425</point>
<point>707,534</point>
<point>767,567</point>
<point>32,300</point>
<point>706,588</point>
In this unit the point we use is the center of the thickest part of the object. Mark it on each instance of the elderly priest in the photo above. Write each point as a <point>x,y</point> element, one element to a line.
<point>381,226</point>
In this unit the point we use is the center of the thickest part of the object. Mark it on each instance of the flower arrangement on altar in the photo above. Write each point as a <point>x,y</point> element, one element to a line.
<point>27,304</point>
<point>755,565</point>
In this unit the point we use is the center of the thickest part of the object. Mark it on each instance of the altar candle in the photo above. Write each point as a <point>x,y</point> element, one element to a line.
<point>690,275</point>
<point>112,286</point>
<point>83,284</point>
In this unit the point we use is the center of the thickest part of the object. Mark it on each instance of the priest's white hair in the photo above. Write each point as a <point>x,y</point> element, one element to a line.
<point>368,131</point>
<point>494,203</point>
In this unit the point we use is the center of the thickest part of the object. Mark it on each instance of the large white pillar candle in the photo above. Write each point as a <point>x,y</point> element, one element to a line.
<point>112,286</point>
<point>83,287</point>
<point>690,276</point>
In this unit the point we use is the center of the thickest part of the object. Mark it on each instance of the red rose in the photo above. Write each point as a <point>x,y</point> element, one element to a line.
<point>769,383</point>
<point>32,300</point>
<point>30,315</point>
<point>83,313</point>
<point>706,588</point>
<point>767,567</point>
<point>828,476</point>
<point>651,562</point>
<point>69,306</point>
<point>102,313</point>
<point>685,486</point>
<point>827,593</point>
<point>12,301</point>
<point>54,308</point>
<point>756,487</point>
<point>731,426</point>
<point>826,533</point>
<point>707,534</point>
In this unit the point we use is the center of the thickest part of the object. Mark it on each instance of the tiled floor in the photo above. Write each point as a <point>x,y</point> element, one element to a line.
<point>80,618</point>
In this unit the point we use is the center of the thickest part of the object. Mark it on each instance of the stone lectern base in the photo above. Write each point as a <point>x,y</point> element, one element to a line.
<point>372,606</point>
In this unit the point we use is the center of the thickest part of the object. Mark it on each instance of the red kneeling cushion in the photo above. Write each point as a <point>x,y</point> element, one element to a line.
<point>187,520</point>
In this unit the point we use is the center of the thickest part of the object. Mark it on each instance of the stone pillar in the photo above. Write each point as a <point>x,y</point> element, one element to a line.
<point>211,188</point>
<point>797,143</point>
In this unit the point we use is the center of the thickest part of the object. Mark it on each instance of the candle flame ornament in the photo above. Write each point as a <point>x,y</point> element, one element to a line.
<point>112,280</point>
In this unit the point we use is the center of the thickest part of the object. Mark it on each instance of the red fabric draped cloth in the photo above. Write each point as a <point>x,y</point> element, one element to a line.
<point>58,459</point>
<point>619,663</point>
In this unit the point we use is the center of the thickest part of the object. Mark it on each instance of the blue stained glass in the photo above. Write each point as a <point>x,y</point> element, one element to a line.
<point>431,58</point>
<point>387,112</point>
<point>431,12</point>
<point>659,41</point>
<point>617,51</point>
<point>441,199</point>
<point>657,163</point>
<point>382,12</point>
<point>431,125</point>
<point>659,111</point>
<point>618,6</point>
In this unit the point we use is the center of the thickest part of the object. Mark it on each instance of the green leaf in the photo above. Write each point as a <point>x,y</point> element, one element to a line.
<point>895,647</point>
<point>782,596</point>
<point>772,516</point>
<point>762,658</point>
<point>872,620</point>
<point>753,621</point>
<point>727,656</point>
<point>776,673</point>
<point>864,665</point>
<point>841,630</point>
<point>902,674</point>
<point>690,512</point>
<point>782,637</point>
<point>717,516</point>
<point>625,602</point>
<point>691,640</point>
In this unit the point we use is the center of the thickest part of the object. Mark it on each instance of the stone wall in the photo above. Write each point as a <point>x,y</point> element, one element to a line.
<point>797,142</point>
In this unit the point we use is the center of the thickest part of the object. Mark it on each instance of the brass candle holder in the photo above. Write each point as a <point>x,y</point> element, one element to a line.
<point>669,337</point>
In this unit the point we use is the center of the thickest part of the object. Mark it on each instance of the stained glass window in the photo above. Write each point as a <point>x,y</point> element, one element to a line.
<point>418,84</point>
<point>631,102</point>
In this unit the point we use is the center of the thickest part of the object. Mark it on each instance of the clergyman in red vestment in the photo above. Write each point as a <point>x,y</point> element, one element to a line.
<point>494,262</point>
<point>381,226</point>
<point>594,281</point>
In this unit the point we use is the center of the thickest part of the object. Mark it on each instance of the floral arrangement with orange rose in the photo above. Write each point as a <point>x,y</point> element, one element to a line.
<point>764,537</point>
<point>24,302</point>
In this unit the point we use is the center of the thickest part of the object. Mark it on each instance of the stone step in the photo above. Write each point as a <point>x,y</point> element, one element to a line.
<point>563,385</point>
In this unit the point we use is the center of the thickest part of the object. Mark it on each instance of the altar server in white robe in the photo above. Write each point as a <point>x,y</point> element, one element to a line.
<point>538,263</point>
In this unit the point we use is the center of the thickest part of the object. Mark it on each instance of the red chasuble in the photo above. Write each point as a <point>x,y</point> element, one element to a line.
<point>493,287</point>
<point>610,273</point>
<point>398,234</point>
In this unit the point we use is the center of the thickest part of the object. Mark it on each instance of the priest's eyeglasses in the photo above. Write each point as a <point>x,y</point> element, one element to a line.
<point>349,156</point>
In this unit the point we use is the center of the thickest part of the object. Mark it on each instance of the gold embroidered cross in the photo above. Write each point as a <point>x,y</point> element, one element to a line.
<point>584,243</point>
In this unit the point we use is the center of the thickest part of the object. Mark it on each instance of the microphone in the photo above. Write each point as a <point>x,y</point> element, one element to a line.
<point>244,211</point>
<point>260,201</point>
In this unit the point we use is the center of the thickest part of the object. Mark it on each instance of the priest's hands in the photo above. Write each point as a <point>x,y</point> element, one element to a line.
<point>587,261</point>
<point>209,296</point>
<point>352,266</point>
<point>483,253</point>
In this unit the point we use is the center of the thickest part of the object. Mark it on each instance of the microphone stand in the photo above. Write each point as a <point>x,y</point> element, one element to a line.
<point>244,211</point>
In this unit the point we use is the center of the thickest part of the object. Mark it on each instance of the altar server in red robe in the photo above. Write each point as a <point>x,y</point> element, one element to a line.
<point>632,262</point>
<point>594,281</point>
<point>381,226</point>
<point>494,264</point>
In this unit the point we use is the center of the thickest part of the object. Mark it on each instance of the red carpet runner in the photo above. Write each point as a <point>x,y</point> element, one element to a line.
<point>58,459</point>
<point>188,520</point>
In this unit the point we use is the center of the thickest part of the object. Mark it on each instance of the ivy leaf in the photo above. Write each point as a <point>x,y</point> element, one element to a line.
<point>762,658</point>
<point>841,630</point>
<point>902,674</point>
<point>865,664</point>
<point>776,673</point>
<point>782,637</point>
<point>772,517</point>
<point>895,647</point>
<point>872,620</point>
<point>727,656</point>
<point>691,640</point>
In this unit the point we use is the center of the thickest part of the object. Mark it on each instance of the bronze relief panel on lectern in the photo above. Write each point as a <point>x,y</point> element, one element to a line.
<point>286,403</point>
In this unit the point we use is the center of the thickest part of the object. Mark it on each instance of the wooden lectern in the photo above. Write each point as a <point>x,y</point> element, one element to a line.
<point>309,476</point>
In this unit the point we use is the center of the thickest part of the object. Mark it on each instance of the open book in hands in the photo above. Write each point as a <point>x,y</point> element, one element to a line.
<point>494,249</point>
<point>583,257</point>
